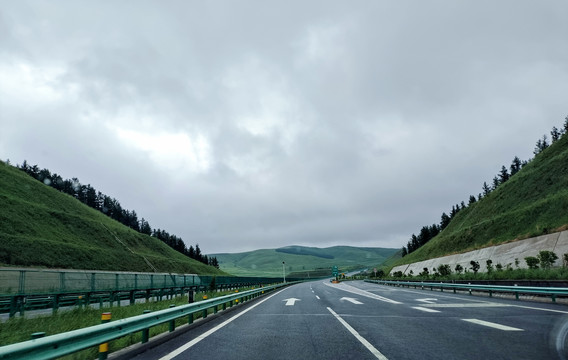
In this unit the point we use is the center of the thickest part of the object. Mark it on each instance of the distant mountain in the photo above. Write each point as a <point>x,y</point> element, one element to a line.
<point>43,227</point>
<point>301,260</point>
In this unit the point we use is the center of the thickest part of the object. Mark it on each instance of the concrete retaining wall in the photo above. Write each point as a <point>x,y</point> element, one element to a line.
<point>500,254</point>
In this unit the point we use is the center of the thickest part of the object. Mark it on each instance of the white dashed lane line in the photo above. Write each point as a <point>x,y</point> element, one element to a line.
<point>492,325</point>
<point>425,309</point>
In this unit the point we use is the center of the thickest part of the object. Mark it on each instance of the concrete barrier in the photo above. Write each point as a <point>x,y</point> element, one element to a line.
<point>504,254</point>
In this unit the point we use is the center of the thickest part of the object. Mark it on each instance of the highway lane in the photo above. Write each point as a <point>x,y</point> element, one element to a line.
<point>357,320</point>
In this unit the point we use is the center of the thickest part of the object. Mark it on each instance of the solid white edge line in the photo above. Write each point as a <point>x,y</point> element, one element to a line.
<point>493,325</point>
<point>188,345</point>
<point>425,309</point>
<point>361,339</point>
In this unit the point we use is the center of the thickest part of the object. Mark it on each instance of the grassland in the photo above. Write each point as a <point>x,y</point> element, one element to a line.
<point>302,260</point>
<point>533,202</point>
<point>42,227</point>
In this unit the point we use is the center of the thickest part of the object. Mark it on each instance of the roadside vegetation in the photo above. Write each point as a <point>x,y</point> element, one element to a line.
<point>43,227</point>
<point>528,199</point>
<point>19,329</point>
<point>540,267</point>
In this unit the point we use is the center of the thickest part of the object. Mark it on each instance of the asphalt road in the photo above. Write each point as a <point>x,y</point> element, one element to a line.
<point>357,320</point>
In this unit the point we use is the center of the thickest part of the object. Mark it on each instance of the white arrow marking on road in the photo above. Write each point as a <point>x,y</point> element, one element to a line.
<point>291,301</point>
<point>352,300</point>
<point>427,300</point>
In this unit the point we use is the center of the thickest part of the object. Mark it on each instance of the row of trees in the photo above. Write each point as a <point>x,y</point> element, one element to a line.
<point>111,207</point>
<point>429,232</point>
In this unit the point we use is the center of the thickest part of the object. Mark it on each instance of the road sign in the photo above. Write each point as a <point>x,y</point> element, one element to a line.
<point>334,270</point>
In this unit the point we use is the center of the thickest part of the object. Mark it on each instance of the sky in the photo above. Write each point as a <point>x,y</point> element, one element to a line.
<point>242,125</point>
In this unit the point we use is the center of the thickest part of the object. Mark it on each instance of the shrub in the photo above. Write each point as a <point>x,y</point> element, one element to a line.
<point>458,268</point>
<point>474,266</point>
<point>532,262</point>
<point>489,264</point>
<point>444,270</point>
<point>499,267</point>
<point>424,272</point>
<point>547,258</point>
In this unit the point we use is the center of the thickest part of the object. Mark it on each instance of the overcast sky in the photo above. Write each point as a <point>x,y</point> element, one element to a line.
<point>242,125</point>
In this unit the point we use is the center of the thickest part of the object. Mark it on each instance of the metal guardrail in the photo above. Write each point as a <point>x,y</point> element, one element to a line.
<point>553,292</point>
<point>70,342</point>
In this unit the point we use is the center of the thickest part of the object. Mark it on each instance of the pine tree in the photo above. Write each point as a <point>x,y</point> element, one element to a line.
<point>496,183</point>
<point>503,175</point>
<point>444,221</point>
<point>486,189</point>
<point>515,165</point>
<point>555,134</point>
<point>472,199</point>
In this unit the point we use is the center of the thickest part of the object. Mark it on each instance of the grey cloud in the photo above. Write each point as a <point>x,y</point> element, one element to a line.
<point>327,123</point>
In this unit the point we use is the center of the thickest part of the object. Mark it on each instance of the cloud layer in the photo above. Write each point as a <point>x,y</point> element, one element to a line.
<point>244,125</point>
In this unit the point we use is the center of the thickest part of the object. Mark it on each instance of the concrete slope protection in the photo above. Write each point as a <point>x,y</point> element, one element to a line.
<point>504,254</point>
<point>368,321</point>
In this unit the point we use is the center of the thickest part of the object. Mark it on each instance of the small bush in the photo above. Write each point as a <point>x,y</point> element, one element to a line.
<point>547,258</point>
<point>444,270</point>
<point>532,262</point>
<point>458,268</point>
<point>474,266</point>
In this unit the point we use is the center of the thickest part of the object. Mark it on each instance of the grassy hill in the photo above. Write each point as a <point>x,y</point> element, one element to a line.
<point>532,202</point>
<point>42,227</point>
<point>300,260</point>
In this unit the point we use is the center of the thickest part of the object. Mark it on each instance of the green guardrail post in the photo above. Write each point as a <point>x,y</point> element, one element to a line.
<point>145,332</point>
<point>13,305</point>
<point>172,322</point>
<point>215,309</point>
<point>37,335</point>
<point>190,318</point>
<point>469,289</point>
<point>553,298</point>
<point>55,303</point>
<point>132,298</point>
<point>22,305</point>
<point>490,293</point>
<point>103,348</point>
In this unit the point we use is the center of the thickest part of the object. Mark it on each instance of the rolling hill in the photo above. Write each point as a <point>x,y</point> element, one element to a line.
<point>301,260</point>
<point>42,227</point>
<point>532,202</point>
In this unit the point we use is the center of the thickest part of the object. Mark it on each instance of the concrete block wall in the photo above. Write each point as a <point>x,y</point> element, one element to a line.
<point>501,254</point>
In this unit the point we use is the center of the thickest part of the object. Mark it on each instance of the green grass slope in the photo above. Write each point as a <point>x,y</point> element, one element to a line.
<point>533,202</point>
<point>301,260</point>
<point>42,227</point>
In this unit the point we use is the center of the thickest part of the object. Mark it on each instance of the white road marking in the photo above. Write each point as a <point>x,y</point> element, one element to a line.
<point>427,300</point>
<point>542,309</point>
<point>493,325</point>
<point>317,297</point>
<point>291,301</point>
<point>188,345</point>
<point>354,290</point>
<point>466,305</point>
<point>361,339</point>
<point>351,300</point>
<point>425,309</point>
